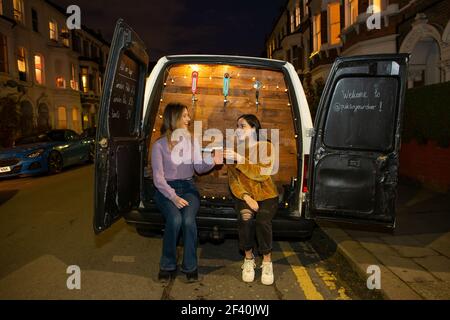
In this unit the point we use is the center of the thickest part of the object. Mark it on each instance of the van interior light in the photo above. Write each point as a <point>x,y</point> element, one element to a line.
<point>195,67</point>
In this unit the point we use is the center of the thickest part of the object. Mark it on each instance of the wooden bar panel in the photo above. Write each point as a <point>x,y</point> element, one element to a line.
<point>274,112</point>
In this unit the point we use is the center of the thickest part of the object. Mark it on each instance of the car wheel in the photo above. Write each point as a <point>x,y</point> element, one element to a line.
<point>55,162</point>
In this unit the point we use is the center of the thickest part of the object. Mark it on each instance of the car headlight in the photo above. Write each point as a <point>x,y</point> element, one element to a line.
<point>36,153</point>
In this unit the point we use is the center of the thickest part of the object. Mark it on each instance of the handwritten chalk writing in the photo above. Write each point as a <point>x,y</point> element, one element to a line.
<point>119,86</point>
<point>131,101</point>
<point>117,100</point>
<point>354,94</point>
<point>377,94</point>
<point>115,114</point>
<point>127,87</point>
<point>354,107</point>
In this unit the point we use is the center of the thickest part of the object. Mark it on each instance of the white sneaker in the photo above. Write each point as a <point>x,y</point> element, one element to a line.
<point>267,273</point>
<point>248,270</point>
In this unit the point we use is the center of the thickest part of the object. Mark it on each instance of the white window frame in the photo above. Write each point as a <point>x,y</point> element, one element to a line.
<point>317,32</point>
<point>51,31</point>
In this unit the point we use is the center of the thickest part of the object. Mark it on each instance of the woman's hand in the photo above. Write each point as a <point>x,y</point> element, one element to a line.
<point>218,156</point>
<point>180,202</point>
<point>251,203</point>
<point>232,156</point>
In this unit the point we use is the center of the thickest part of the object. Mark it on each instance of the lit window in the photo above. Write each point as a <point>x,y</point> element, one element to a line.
<point>75,119</point>
<point>376,5</point>
<point>53,27</point>
<point>317,34</point>
<point>351,12</point>
<point>85,79</point>
<point>60,82</point>
<point>39,69</point>
<point>18,10</point>
<point>297,13</point>
<point>3,54</point>
<point>65,36</point>
<point>1,7</point>
<point>292,23</point>
<point>62,118</point>
<point>334,22</point>
<point>22,64</point>
<point>73,81</point>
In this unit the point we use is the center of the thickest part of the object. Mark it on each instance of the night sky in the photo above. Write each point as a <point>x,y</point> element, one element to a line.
<point>196,26</point>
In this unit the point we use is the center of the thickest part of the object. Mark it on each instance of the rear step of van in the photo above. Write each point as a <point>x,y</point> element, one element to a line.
<point>220,222</point>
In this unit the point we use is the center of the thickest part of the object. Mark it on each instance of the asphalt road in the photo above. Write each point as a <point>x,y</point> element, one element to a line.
<point>46,227</point>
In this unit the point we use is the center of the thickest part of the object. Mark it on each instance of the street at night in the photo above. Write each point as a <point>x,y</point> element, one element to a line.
<point>46,226</point>
<point>225,151</point>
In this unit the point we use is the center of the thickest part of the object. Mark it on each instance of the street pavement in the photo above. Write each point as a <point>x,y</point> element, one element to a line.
<point>414,260</point>
<point>46,227</point>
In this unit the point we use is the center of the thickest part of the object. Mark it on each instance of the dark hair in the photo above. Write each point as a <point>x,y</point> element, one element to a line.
<point>171,116</point>
<point>253,121</point>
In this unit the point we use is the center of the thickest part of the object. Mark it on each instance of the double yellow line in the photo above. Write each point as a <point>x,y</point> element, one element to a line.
<point>304,280</point>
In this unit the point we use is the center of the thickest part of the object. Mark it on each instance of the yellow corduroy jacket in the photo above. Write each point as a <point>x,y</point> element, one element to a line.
<point>254,176</point>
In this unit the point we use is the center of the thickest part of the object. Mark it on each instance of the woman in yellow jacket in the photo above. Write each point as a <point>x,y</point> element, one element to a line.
<point>255,194</point>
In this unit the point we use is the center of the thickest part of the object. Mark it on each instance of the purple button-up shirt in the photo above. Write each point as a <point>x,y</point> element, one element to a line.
<point>178,163</point>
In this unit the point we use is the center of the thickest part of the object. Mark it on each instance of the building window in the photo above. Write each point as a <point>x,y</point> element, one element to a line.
<point>35,20</point>
<point>86,48</point>
<point>60,82</point>
<point>62,118</point>
<point>76,43</point>
<point>3,54</point>
<point>65,35</point>
<point>1,7</point>
<point>305,8</point>
<point>297,13</point>
<point>377,5</point>
<point>22,64</point>
<point>351,12</point>
<point>73,81</point>
<point>292,23</point>
<point>317,41</point>
<point>18,10</point>
<point>334,23</point>
<point>53,27</point>
<point>75,119</point>
<point>84,79</point>
<point>39,69</point>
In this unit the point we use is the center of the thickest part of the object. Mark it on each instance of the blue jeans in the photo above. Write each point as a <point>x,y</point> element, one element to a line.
<point>176,219</point>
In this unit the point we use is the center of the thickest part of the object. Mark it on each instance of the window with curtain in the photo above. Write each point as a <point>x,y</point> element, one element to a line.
<point>18,10</point>
<point>39,69</point>
<point>334,23</point>
<point>53,27</point>
<point>62,117</point>
<point>22,64</point>
<point>317,41</point>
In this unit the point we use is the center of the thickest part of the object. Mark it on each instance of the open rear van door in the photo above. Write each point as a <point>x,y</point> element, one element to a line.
<point>119,144</point>
<point>355,150</point>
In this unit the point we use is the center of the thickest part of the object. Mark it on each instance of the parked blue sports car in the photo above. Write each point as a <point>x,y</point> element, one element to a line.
<point>48,152</point>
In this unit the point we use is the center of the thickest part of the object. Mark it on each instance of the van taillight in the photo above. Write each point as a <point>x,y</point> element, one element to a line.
<point>305,173</point>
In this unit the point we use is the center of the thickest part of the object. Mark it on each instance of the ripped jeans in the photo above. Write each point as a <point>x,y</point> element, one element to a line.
<point>256,226</point>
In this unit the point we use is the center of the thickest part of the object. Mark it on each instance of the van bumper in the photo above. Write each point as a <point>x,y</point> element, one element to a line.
<point>221,220</point>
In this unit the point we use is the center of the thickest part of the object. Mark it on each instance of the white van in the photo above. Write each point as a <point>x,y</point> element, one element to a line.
<point>342,168</point>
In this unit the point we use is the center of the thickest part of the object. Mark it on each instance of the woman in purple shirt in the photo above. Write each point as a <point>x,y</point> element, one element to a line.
<point>175,156</point>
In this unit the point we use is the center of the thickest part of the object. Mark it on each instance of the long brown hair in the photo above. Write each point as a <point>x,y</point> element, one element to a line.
<point>171,117</point>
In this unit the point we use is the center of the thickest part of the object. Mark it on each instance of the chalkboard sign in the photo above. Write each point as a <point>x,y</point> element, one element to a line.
<point>122,109</point>
<point>362,113</point>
